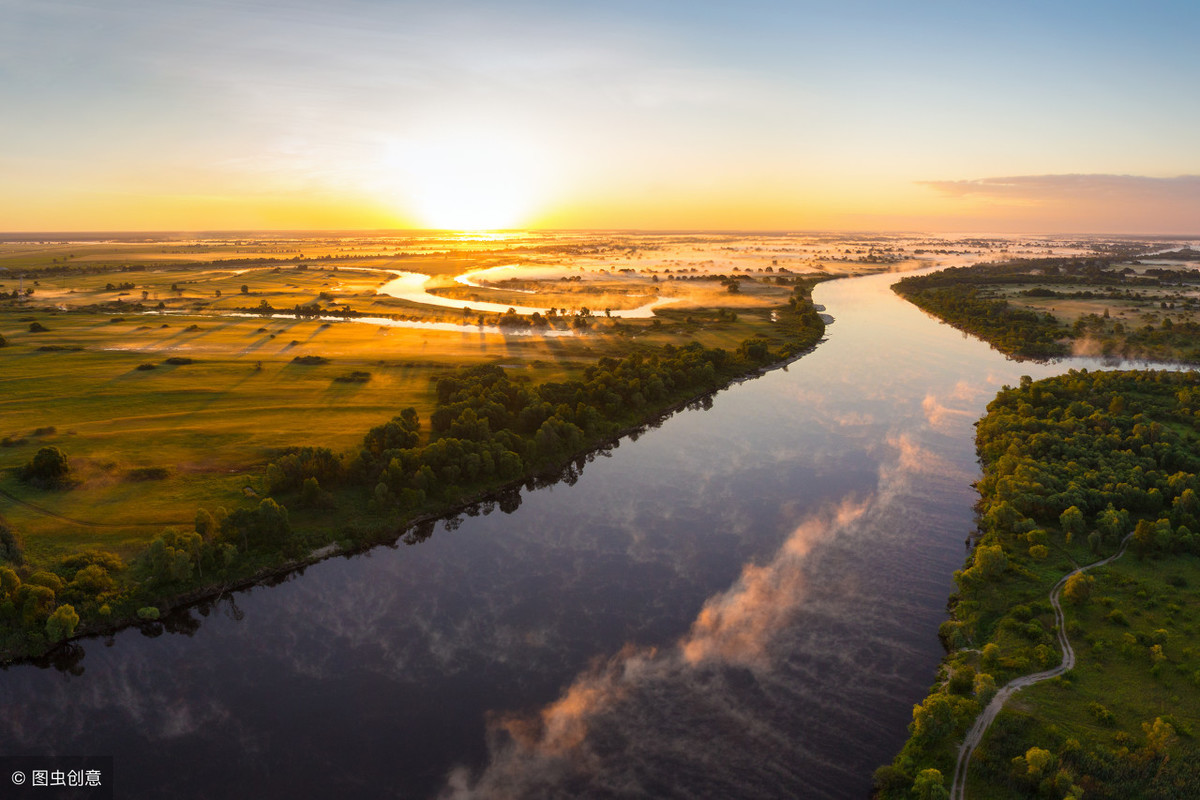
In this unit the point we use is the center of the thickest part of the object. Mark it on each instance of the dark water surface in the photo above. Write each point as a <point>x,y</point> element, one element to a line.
<point>743,602</point>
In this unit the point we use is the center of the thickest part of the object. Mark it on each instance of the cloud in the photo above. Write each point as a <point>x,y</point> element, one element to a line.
<point>633,694</point>
<point>1041,189</point>
<point>626,720</point>
<point>736,625</point>
<point>1127,204</point>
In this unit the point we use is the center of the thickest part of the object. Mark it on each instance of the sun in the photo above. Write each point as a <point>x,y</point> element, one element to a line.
<point>462,182</point>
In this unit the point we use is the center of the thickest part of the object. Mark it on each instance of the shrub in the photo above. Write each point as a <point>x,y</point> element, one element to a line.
<point>144,367</point>
<point>62,623</point>
<point>37,327</point>
<point>309,360</point>
<point>10,547</point>
<point>47,469</point>
<point>180,359</point>
<point>147,474</point>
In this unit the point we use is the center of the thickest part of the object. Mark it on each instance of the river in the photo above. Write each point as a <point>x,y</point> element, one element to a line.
<point>742,602</point>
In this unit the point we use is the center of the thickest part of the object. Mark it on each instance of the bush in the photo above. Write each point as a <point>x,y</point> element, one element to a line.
<point>37,327</point>
<point>147,474</point>
<point>62,623</point>
<point>10,547</point>
<point>48,469</point>
<point>180,359</point>
<point>265,526</point>
<point>148,612</point>
<point>145,367</point>
<point>309,360</point>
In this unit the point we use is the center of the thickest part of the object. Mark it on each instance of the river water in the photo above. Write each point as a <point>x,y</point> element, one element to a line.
<point>742,602</point>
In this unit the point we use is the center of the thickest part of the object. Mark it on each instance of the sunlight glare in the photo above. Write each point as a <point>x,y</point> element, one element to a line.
<point>465,183</point>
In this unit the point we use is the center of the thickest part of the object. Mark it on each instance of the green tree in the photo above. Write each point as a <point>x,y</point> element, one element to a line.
<point>62,623</point>
<point>10,546</point>
<point>1143,537</point>
<point>48,468</point>
<point>92,580</point>
<point>985,688</point>
<point>990,561</point>
<point>265,526</point>
<point>1113,523</point>
<point>1038,761</point>
<point>1072,522</point>
<point>206,524</point>
<point>1160,735</point>
<point>10,581</point>
<point>930,785</point>
<point>932,719</point>
<point>1078,588</point>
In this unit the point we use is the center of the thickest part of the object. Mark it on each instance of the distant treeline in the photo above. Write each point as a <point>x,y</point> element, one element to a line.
<point>966,297</point>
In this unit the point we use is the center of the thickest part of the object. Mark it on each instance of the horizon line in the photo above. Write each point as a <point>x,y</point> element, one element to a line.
<point>27,235</point>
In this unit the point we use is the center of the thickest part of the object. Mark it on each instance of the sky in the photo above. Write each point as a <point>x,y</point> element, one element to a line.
<point>1037,117</point>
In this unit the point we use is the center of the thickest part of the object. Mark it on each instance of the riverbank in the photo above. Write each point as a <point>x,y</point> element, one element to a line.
<point>241,549</point>
<point>1071,465</point>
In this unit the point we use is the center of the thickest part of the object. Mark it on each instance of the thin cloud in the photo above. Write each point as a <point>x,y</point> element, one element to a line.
<point>1095,203</point>
<point>1042,188</point>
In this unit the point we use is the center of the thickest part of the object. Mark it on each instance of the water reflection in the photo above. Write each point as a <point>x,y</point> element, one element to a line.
<point>742,602</point>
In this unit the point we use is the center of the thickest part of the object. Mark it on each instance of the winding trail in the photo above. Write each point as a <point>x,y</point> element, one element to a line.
<point>958,788</point>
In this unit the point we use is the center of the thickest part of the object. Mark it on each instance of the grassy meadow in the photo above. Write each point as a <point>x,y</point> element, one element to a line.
<point>170,374</point>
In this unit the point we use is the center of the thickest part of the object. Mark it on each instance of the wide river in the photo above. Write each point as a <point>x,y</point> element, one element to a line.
<point>742,602</point>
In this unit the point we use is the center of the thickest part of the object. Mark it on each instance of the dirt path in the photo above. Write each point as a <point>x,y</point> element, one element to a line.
<point>958,788</point>
<point>85,523</point>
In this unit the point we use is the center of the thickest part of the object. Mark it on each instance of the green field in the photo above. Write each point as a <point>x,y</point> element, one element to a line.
<point>170,378</point>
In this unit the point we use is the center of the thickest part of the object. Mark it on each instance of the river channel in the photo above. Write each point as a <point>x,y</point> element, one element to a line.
<point>741,602</point>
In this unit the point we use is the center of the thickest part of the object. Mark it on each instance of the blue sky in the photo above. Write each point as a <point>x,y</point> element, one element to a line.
<point>652,114</point>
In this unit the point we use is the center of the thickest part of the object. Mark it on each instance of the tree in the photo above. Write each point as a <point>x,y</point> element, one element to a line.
<point>266,525</point>
<point>985,688</point>
<point>206,524</point>
<point>1113,523</point>
<point>1038,761</point>
<point>1143,537</point>
<point>92,580</point>
<point>1072,522</point>
<point>245,289</point>
<point>61,624</point>
<point>48,468</point>
<point>1078,588</point>
<point>10,546</point>
<point>10,581</point>
<point>990,561</point>
<point>930,785</point>
<point>1159,736</point>
<point>932,719</point>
